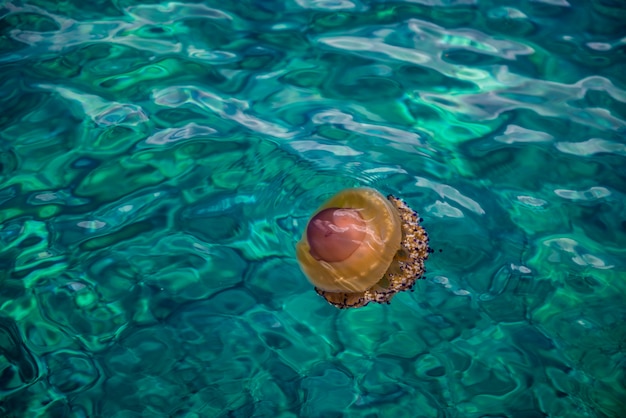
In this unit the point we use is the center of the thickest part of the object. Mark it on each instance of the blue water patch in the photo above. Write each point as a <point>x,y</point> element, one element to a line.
<point>160,160</point>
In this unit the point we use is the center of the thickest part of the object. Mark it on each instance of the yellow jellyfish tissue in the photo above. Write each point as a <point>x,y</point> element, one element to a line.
<point>360,247</point>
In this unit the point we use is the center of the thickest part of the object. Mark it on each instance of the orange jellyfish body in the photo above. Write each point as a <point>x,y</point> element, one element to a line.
<point>360,247</point>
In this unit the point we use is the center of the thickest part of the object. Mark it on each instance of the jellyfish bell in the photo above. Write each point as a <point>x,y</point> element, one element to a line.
<point>360,247</point>
<point>334,234</point>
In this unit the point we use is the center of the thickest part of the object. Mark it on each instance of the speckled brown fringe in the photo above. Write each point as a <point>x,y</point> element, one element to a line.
<point>407,266</point>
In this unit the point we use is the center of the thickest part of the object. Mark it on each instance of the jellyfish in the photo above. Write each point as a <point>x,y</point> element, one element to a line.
<point>360,247</point>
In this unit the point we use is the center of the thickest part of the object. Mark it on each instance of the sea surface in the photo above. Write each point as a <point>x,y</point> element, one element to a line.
<point>159,161</point>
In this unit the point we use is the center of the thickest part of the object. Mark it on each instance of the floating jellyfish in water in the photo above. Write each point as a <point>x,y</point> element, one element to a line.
<point>360,247</point>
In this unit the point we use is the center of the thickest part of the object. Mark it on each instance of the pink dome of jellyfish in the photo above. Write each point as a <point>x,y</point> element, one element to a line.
<point>360,247</point>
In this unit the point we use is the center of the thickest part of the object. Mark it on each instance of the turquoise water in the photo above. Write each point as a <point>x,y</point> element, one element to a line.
<point>159,161</point>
